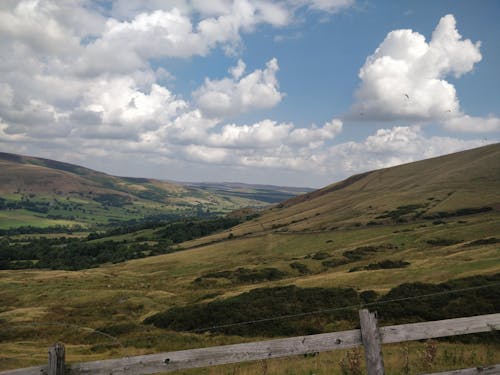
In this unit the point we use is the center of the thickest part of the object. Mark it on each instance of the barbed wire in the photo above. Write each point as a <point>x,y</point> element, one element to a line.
<point>73,325</point>
<point>335,309</point>
<point>275,318</point>
<point>269,319</point>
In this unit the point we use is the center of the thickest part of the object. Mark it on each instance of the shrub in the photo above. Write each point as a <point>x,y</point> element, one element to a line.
<point>484,241</point>
<point>245,275</point>
<point>263,303</point>
<point>443,242</point>
<point>301,267</point>
<point>320,255</point>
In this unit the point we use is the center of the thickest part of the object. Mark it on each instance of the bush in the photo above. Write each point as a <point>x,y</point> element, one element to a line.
<point>261,304</point>
<point>318,308</point>
<point>245,275</point>
<point>301,267</point>
<point>320,255</point>
<point>484,241</point>
<point>443,242</point>
<point>387,264</point>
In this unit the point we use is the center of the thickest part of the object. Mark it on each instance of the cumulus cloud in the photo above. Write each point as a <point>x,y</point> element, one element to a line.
<point>240,94</point>
<point>326,163</point>
<point>263,134</point>
<point>330,6</point>
<point>473,124</point>
<point>119,101</point>
<point>47,27</point>
<point>405,77</point>
<point>188,128</point>
<point>266,143</point>
<point>68,70</point>
<point>81,82</point>
<point>78,84</point>
<point>170,32</point>
<point>393,146</point>
<point>125,46</point>
<point>315,137</point>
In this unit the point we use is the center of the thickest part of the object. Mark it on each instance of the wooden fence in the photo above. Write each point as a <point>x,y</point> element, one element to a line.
<point>370,336</point>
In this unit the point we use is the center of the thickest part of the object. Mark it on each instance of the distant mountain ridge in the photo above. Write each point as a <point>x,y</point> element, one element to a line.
<point>28,183</point>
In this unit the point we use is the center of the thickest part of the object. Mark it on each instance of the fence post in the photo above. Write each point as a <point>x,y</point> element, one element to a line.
<point>56,360</point>
<point>371,342</point>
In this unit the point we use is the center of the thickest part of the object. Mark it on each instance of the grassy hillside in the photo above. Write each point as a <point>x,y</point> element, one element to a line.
<point>44,193</point>
<point>438,188</point>
<point>426,222</point>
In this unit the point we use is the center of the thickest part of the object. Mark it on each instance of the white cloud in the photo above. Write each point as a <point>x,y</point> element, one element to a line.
<point>405,77</point>
<point>240,94</point>
<point>265,143</point>
<point>128,9</point>
<point>42,27</point>
<point>6,95</point>
<point>263,134</point>
<point>393,146</point>
<point>119,101</point>
<point>205,154</point>
<point>274,13</point>
<point>274,149</point>
<point>472,124</point>
<point>67,70</point>
<point>314,136</point>
<point>212,8</point>
<point>188,128</point>
<point>168,31</point>
<point>238,70</point>
<point>330,6</point>
<point>77,81</point>
<point>127,46</point>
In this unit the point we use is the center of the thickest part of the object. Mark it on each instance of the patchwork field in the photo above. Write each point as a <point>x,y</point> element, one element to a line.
<point>44,193</point>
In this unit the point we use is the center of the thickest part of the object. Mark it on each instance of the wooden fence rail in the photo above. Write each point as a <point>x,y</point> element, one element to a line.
<point>186,359</point>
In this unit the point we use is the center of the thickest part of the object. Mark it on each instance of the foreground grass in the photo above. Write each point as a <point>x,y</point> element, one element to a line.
<point>406,214</point>
<point>398,359</point>
<point>115,299</point>
<point>404,358</point>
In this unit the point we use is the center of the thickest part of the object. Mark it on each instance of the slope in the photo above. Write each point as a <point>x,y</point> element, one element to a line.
<point>41,192</point>
<point>426,222</point>
<point>449,185</point>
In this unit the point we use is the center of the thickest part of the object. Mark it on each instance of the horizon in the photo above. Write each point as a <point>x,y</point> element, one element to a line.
<point>311,188</point>
<point>199,93</point>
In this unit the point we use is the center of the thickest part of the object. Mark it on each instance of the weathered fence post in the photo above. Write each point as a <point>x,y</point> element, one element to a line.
<point>56,360</point>
<point>371,342</point>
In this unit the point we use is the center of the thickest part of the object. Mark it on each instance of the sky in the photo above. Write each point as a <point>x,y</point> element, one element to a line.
<point>289,92</point>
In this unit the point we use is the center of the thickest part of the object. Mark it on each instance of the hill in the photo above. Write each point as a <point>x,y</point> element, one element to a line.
<point>431,226</point>
<point>447,186</point>
<point>41,193</point>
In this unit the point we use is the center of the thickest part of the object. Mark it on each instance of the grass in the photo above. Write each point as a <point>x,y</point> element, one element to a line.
<point>129,292</point>
<point>81,195</point>
<point>449,356</point>
<point>117,298</point>
<point>21,218</point>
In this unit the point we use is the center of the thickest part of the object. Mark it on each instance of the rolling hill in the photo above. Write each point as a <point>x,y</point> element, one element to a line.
<point>446,186</point>
<point>418,228</point>
<point>40,192</point>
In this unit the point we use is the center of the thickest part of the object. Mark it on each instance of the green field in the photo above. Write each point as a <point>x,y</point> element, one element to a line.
<point>21,218</point>
<point>46,193</point>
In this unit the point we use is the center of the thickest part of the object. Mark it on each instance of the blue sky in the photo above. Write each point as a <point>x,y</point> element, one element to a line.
<point>290,92</point>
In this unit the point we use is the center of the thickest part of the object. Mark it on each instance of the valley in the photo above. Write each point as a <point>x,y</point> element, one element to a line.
<point>54,196</point>
<point>413,229</point>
